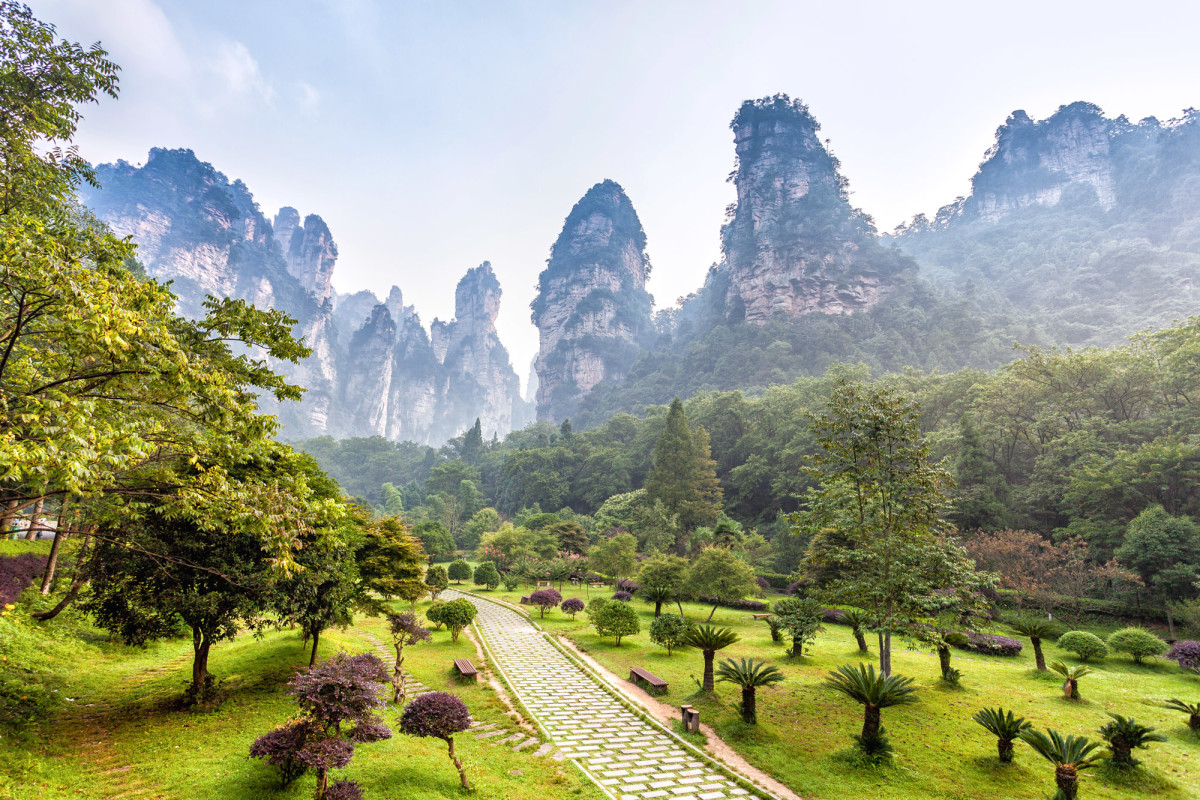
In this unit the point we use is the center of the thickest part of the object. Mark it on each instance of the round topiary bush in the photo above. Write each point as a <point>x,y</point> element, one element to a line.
<point>545,599</point>
<point>1137,642</point>
<point>623,596</point>
<point>572,606</point>
<point>1186,653</point>
<point>1083,644</point>
<point>668,631</point>
<point>439,715</point>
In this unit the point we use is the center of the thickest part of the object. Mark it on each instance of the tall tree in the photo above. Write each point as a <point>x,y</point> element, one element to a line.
<point>877,516</point>
<point>472,447</point>
<point>683,476</point>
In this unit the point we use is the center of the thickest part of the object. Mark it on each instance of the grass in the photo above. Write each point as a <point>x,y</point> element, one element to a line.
<point>123,732</point>
<point>804,730</point>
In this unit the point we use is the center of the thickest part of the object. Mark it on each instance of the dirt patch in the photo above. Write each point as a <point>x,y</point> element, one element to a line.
<point>492,681</point>
<point>669,715</point>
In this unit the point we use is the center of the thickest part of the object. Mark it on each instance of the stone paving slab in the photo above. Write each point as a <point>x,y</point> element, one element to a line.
<point>618,749</point>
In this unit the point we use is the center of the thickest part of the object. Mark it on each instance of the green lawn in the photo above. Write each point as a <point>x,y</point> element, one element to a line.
<point>805,728</point>
<point>123,734</point>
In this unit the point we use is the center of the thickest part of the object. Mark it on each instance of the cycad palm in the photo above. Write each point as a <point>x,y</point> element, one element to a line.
<point>748,674</point>
<point>875,691</point>
<point>858,620</point>
<point>1072,674</point>
<point>709,639</point>
<point>1069,755</point>
<point>657,595</point>
<point>1036,629</point>
<point>1191,709</point>
<point>1004,726</point>
<point>1124,735</point>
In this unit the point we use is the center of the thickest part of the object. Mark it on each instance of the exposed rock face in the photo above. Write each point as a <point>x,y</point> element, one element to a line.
<point>207,235</point>
<point>196,228</point>
<point>309,249</point>
<point>592,310</point>
<point>793,245</point>
<point>1033,162</point>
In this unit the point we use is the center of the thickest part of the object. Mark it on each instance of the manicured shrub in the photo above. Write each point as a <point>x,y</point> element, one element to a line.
<point>487,575</point>
<point>1083,644</point>
<point>405,631</point>
<point>439,715</point>
<point>437,580</point>
<point>740,605</point>
<point>1137,642</point>
<point>281,749</point>
<point>459,571</point>
<point>434,613</point>
<point>1186,653</point>
<point>622,596</point>
<point>991,644</point>
<point>626,585</point>
<point>572,606</point>
<point>615,619</point>
<point>545,599</point>
<point>668,631</point>
<point>458,614</point>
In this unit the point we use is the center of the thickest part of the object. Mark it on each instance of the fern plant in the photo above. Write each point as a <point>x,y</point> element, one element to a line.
<point>875,691</point>
<point>1072,675</point>
<point>1191,709</point>
<point>1005,727</point>
<point>748,674</point>
<point>1124,735</point>
<point>1036,629</point>
<point>1070,755</point>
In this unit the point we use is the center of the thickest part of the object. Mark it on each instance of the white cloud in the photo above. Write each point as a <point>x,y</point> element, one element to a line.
<point>239,71</point>
<point>309,96</point>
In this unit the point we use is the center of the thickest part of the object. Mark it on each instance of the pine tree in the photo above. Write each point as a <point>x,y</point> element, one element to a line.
<point>706,489</point>
<point>684,475</point>
<point>472,447</point>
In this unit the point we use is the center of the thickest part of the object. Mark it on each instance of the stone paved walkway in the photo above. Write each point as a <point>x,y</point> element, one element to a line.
<point>618,749</point>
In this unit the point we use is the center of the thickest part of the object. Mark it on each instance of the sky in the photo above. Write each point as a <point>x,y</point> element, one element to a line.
<point>432,136</point>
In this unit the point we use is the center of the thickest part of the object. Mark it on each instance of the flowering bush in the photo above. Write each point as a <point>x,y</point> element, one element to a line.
<point>545,599</point>
<point>572,606</point>
<point>1187,653</point>
<point>623,596</point>
<point>992,645</point>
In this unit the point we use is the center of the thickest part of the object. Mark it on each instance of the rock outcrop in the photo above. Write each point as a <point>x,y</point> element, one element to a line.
<point>793,245</point>
<point>196,228</point>
<point>592,310</point>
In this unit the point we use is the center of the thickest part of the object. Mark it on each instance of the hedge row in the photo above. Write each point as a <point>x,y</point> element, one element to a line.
<point>740,605</point>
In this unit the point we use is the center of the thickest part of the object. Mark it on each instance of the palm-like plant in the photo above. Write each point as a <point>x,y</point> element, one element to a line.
<point>776,627</point>
<point>875,691</point>
<point>1191,709</point>
<point>748,674</point>
<point>858,620</point>
<point>657,595</point>
<point>1005,727</point>
<point>709,639</point>
<point>1072,675</point>
<point>1070,755</point>
<point>1124,735</point>
<point>1036,629</point>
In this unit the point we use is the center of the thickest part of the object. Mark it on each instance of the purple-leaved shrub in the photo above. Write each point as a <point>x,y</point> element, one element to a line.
<point>572,606</point>
<point>1187,653</point>
<point>439,715</point>
<point>545,599</point>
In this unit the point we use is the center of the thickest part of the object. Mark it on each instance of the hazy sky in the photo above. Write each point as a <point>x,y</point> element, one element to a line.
<point>432,136</point>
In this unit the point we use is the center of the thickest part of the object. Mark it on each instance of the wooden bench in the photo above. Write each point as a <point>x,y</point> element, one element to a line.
<point>466,669</point>
<point>654,684</point>
<point>596,585</point>
<point>762,616</point>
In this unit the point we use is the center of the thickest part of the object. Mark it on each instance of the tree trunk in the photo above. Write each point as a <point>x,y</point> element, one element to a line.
<point>885,653</point>
<point>6,518</point>
<point>862,641</point>
<point>797,646</point>
<point>871,718</point>
<point>398,675</point>
<point>944,660</point>
<point>1037,653</point>
<point>1122,753</point>
<point>749,706</point>
<point>462,773</point>
<point>200,676</point>
<point>46,616</point>
<point>52,562</point>
<point>679,603</point>
<point>1066,777</point>
<point>316,641</point>
<point>710,614</point>
<point>35,521</point>
<point>1194,722</point>
<point>1005,746</point>
<point>708,669</point>
<point>1170,622</point>
<point>1071,689</point>
<point>657,608</point>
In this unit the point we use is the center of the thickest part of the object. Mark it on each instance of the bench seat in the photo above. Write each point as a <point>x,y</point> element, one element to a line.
<point>653,684</point>
<point>466,669</point>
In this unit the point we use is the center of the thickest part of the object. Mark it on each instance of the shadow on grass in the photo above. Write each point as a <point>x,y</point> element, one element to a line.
<point>1137,780</point>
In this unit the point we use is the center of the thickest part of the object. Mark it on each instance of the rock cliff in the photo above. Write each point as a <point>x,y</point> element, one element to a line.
<point>592,310</point>
<point>196,228</point>
<point>792,243</point>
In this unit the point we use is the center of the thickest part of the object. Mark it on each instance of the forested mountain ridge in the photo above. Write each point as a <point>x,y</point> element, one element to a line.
<point>374,370</point>
<point>1090,223</point>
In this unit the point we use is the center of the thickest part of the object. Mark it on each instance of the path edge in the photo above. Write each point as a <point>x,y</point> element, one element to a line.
<point>737,777</point>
